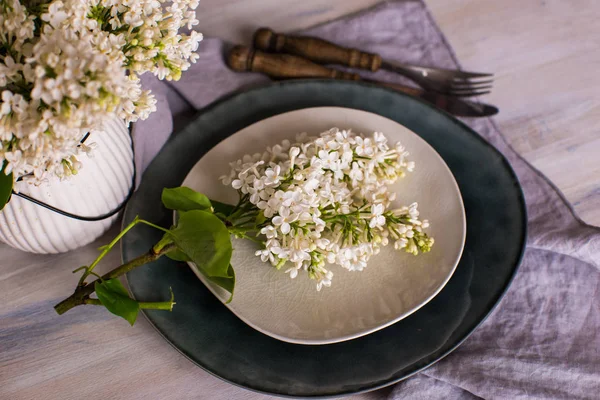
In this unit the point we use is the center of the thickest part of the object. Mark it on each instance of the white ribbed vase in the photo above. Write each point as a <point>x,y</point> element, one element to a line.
<point>101,185</point>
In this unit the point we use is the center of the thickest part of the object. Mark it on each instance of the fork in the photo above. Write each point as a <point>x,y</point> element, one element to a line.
<point>450,82</point>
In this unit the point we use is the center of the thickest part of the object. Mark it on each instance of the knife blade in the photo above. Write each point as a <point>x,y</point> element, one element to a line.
<point>286,66</point>
<point>452,105</point>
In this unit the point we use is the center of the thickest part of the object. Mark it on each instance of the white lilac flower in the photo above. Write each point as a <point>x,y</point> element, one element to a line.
<point>68,65</point>
<point>284,219</point>
<point>325,200</point>
<point>377,219</point>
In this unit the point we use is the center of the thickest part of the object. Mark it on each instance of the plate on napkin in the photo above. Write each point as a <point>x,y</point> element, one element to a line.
<point>394,284</point>
<point>210,335</point>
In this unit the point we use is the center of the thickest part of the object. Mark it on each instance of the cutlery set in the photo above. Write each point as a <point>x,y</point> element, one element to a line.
<point>292,57</point>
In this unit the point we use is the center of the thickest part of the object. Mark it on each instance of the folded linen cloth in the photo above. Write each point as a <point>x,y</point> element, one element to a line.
<point>543,339</point>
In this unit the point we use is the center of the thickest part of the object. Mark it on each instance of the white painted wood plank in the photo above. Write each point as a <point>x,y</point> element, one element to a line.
<point>546,59</point>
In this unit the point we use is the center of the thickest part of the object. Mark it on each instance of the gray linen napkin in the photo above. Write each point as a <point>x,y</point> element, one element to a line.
<point>543,340</point>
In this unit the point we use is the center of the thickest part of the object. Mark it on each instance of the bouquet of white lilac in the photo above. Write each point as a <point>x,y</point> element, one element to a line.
<point>326,200</point>
<point>65,66</point>
<point>323,200</point>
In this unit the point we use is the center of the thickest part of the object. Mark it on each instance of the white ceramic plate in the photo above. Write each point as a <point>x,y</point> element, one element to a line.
<point>394,284</point>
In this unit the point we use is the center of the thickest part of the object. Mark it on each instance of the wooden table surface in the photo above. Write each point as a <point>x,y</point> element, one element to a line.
<point>545,56</point>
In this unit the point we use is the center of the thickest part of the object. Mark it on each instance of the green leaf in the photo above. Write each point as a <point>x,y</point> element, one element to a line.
<point>260,218</point>
<point>226,283</point>
<point>113,295</point>
<point>114,285</point>
<point>204,238</point>
<point>175,254</point>
<point>222,208</point>
<point>6,186</point>
<point>185,199</point>
<point>178,255</point>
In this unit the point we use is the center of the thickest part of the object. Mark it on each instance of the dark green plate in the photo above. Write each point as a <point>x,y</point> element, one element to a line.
<point>210,335</point>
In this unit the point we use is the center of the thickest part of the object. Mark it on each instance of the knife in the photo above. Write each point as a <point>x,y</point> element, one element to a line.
<point>287,66</point>
<point>324,52</point>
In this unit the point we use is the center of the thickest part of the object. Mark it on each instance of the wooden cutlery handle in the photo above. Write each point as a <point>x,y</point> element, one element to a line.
<point>401,88</point>
<point>281,65</point>
<point>286,66</point>
<point>317,50</point>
